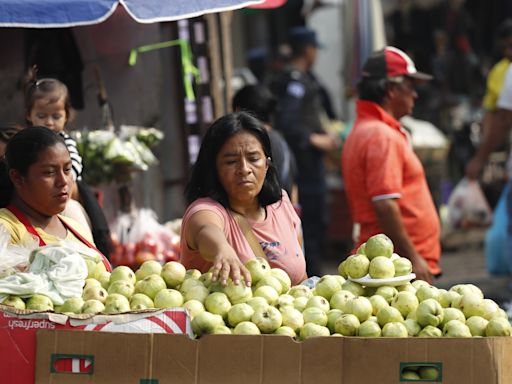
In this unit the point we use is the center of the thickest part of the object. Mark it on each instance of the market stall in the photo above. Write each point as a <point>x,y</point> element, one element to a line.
<point>370,314</point>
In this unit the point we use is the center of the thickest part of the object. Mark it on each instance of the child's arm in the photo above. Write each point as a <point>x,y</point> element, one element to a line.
<point>75,195</point>
<point>76,159</point>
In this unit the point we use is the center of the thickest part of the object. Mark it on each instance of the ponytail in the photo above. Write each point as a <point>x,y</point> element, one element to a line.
<point>29,80</point>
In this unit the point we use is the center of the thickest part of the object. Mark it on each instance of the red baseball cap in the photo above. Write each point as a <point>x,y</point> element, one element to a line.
<point>391,62</point>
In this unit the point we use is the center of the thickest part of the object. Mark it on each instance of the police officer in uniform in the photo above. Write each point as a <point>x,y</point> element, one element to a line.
<point>299,120</point>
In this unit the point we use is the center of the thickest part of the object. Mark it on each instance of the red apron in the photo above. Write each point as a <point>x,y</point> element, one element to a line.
<point>23,219</point>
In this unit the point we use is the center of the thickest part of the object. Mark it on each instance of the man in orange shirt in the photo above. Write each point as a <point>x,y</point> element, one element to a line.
<point>384,179</point>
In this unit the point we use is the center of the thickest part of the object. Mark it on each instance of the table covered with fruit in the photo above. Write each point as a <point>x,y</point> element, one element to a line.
<point>374,295</point>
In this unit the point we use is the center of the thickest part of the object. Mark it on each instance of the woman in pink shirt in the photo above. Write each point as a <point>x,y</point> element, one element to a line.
<point>233,175</point>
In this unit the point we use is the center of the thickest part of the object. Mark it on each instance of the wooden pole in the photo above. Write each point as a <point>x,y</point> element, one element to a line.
<point>215,65</point>
<point>173,149</point>
<point>227,55</point>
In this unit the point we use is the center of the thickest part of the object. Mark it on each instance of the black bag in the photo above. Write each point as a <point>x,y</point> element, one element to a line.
<point>99,226</point>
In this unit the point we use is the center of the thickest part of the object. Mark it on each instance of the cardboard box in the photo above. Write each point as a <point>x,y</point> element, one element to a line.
<point>267,359</point>
<point>18,336</point>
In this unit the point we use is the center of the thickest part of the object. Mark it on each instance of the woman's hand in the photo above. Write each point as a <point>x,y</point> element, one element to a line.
<point>227,264</point>
<point>204,233</point>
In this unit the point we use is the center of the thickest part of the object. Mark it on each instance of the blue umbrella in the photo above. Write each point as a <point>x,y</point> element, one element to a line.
<point>71,13</point>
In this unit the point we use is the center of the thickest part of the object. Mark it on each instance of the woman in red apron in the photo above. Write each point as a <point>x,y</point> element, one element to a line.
<point>35,185</point>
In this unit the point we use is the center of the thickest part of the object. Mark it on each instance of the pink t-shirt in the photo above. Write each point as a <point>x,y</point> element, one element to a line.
<point>278,235</point>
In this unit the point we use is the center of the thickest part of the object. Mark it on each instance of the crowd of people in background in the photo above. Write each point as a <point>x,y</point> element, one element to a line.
<point>442,40</point>
<point>384,180</point>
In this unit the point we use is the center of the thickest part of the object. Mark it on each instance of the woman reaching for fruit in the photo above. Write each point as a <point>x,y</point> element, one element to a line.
<point>35,186</point>
<point>237,209</point>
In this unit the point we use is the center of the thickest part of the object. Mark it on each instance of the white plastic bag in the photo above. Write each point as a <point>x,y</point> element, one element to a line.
<point>133,227</point>
<point>15,258</point>
<point>467,206</point>
<point>55,271</point>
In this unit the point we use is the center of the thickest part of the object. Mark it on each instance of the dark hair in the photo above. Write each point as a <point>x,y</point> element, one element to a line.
<point>256,99</point>
<point>21,152</point>
<point>371,89</point>
<point>36,89</point>
<point>204,181</point>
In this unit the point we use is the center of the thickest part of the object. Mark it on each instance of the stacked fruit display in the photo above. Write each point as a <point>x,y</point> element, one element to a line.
<point>375,260</point>
<point>336,306</point>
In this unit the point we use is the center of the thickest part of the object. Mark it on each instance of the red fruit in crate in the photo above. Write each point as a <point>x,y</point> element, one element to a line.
<point>128,255</point>
<point>160,257</point>
<point>116,256</point>
<point>142,256</point>
<point>163,239</point>
<point>114,239</point>
<point>175,241</point>
<point>170,255</point>
<point>149,244</point>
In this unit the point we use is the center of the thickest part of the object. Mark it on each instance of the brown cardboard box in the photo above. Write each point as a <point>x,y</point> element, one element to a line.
<point>461,360</point>
<point>18,336</point>
<point>177,359</point>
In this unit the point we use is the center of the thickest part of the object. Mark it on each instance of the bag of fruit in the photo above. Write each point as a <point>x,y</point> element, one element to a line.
<point>15,258</point>
<point>141,237</point>
<point>467,206</point>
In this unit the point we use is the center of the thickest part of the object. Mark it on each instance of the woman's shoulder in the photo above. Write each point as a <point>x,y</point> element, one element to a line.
<point>78,227</point>
<point>8,219</point>
<point>6,215</point>
<point>205,204</point>
<point>283,205</point>
<point>11,223</point>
